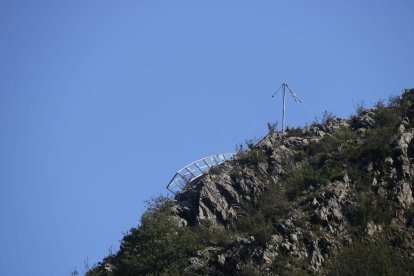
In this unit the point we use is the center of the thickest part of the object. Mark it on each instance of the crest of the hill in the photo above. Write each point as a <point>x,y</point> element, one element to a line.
<point>332,198</point>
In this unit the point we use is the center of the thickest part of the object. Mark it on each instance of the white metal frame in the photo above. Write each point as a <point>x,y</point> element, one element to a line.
<point>196,169</point>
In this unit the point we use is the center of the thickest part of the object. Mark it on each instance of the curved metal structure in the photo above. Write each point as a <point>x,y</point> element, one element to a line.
<point>196,169</point>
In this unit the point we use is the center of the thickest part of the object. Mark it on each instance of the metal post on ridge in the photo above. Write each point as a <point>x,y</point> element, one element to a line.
<point>285,87</point>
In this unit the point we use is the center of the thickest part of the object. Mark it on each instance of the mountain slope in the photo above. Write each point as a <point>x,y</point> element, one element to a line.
<point>333,198</point>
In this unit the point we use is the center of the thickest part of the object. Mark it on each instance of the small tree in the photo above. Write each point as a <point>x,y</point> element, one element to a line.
<point>327,116</point>
<point>272,127</point>
<point>74,272</point>
<point>158,245</point>
<point>360,108</point>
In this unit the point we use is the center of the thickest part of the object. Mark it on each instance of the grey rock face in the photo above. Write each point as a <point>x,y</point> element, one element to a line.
<point>216,198</point>
<point>332,202</point>
<point>372,228</point>
<point>403,185</point>
<point>366,119</point>
<point>313,193</point>
<point>317,225</point>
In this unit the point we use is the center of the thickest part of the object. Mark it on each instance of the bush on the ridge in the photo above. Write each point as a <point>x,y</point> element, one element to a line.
<point>302,179</point>
<point>251,157</point>
<point>370,259</point>
<point>256,224</point>
<point>369,208</point>
<point>157,246</point>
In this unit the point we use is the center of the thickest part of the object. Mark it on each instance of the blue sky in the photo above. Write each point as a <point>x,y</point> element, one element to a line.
<point>102,101</point>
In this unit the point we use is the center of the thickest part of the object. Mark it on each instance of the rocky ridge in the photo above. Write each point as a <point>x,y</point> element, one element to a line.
<point>315,191</point>
<point>216,199</point>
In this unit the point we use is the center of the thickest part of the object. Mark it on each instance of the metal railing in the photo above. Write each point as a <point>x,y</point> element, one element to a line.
<point>194,170</point>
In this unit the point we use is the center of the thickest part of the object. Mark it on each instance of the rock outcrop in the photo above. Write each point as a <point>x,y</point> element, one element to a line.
<point>295,200</point>
<point>317,228</point>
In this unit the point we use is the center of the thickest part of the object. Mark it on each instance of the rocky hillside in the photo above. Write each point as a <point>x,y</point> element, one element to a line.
<point>332,198</point>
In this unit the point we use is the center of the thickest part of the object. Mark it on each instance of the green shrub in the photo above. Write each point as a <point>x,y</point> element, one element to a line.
<point>208,235</point>
<point>376,146</point>
<point>370,207</point>
<point>272,127</point>
<point>387,117</point>
<point>408,109</point>
<point>236,174</point>
<point>409,217</point>
<point>295,132</point>
<point>327,117</point>
<point>370,259</point>
<point>326,145</point>
<point>273,203</point>
<point>252,157</point>
<point>288,265</point>
<point>302,178</point>
<point>215,169</point>
<point>360,108</point>
<point>256,224</point>
<point>250,270</point>
<point>270,206</point>
<point>158,246</point>
<point>299,156</point>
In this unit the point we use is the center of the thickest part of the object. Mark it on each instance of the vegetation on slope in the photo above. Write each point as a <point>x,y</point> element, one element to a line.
<point>348,154</point>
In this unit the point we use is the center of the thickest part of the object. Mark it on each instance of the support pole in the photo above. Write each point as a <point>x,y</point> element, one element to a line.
<point>284,107</point>
<point>208,166</point>
<point>285,86</point>
<point>195,164</point>
<point>188,170</point>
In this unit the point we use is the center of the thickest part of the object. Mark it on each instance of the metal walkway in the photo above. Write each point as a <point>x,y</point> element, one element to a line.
<point>196,169</point>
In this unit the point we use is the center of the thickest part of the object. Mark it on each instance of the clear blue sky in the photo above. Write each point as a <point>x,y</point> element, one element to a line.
<point>102,101</point>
